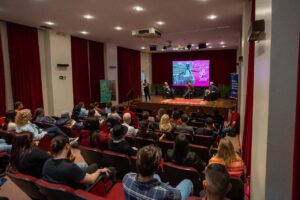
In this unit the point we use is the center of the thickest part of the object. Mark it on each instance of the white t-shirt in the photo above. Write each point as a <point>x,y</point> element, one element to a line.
<point>131,130</point>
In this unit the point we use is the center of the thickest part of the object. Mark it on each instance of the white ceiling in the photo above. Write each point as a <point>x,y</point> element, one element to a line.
<point>185,20</point>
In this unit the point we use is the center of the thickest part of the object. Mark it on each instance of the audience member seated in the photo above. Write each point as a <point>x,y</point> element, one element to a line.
<point>127,109</point>
<point>217,117</point>
<point>208,129</point>
<point>147,185</point>
<point>61,170</point>
<point>107,108</point>
<point>23,124</point>
<point>144,132</point>
<point>65,119</point>
<point>9,123</point>
<point>160,113</point>
<point>114,114</point>
<point>18,105</point>
<point>118,143</point>
<point>152,124</point>
<point>233,123</point>
<point>166,127</point>
<point>184,128</point>
<point>98,110</point>
<point>176,118</point>
<point>229,158</point>
<point>79,111</point>
<point>217,183</point>
<point>181,154</point>
<point>92,123</point>
<point>39,116</point>
<point>26,157</point>
<point>127,121</point>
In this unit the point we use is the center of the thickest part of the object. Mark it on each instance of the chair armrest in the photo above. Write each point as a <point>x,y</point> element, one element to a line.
<point>103,184</point>
<point>84,194</point>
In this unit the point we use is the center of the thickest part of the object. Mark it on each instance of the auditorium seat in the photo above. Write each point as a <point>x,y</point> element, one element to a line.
<point>116,192</point>
<point>27,184</point>
<point>120,161</point>
<point>237,190</point>
<point>2,120</point>
<point>204,140</point>
<point>44,143</point>
<point>164,145</point>
<point>83,195</point>
<point>91,155</point>
<point>83,135</point>
<point>187,135</point>
<point>174,174</point>
<point>201,151</point>
<point>141,142</point>
<point>130,139</point>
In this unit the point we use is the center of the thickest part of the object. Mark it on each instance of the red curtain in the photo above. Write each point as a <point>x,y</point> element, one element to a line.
<point>222,63</point>
<point>96,58</point>
<point>80,70</point>
<point>2,83</point>
<point>296,172</point>
<point>25,65</point>
<point>247,136</point>
<point>129,74</point>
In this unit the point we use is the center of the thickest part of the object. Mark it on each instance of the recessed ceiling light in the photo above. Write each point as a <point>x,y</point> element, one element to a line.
<point>211,17</point>
<point>207,43</point>
<point>223,46</point>
<point>160,23</point>
<point>118,28</point>
<point>143,47</point>
<point>49,23</point>
<point>88,16</point>
<point>203,0</point>
<point>193,45</point>
<point>84,32</point>
<point>138,8</point>
<point>222,43</point>
<point>209,47</point>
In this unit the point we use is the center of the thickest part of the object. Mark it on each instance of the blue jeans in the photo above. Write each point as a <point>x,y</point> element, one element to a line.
<point>4,146</point>
<point>55,131</point>
<point>185,187</point>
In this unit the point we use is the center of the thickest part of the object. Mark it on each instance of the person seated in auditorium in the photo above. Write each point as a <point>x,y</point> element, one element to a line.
<point>181,154</point>
<point>234,123</point>
<point>9,123</point>
<point>18,105</point>
<point>217,117</point>
<point>168,91</point>
<point>79,111</point>
<point>229,158</point>
<point>152,124</point>
<point>61,170</point>
<point>39,116</point>
<point>92,123</point>
<point>107,108</point>
<point>23,123</point>
<point>134,119</point>
<point>160,113</point>
<point>144,132</point>
<point>184,128</point>
<point>97,109</point>
<point>208,129</point>
<point>65,120</point>
<point>114,114</point>
<point>166,128</point>
<point>126,122</point>
<point>176,120</point>
<point>26,157</point>
<point>118,143</point>
<point>189,91</point>
<point>217,182</point>
<point>145,184</point>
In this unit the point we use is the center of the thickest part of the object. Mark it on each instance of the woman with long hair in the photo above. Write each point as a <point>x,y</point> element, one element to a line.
<point>166,127</point>
<point>181,154</point>
<point>39,116</point>
<point>26,157</point>
<point>9,123</point>
<point>228,157</point>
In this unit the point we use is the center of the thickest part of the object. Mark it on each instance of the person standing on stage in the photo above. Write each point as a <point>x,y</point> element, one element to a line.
<point>189,90</point>
<point>146,87</point>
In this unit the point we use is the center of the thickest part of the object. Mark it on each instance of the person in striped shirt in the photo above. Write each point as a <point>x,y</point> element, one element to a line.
<point>228,157</point>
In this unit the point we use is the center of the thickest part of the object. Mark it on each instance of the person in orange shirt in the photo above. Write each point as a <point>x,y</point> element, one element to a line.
<point>228,157</point>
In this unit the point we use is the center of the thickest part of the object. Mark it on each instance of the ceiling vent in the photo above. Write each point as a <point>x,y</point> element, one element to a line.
<point>147,33</point>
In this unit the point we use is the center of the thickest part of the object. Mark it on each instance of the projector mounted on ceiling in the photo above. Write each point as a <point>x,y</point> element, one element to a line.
<point>147,33</point>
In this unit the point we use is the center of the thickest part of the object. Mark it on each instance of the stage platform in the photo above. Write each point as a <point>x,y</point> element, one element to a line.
<point>190,105</point>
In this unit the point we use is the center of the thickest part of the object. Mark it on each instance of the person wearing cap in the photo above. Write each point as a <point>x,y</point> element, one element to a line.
<point>208,129</point>
<point>118,143</point>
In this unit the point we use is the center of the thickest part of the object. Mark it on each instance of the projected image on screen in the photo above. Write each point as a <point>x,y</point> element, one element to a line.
<point>195,72</point>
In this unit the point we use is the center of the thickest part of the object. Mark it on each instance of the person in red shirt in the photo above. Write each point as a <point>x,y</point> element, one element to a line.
<point>233,125</point>
<point>134,121</point>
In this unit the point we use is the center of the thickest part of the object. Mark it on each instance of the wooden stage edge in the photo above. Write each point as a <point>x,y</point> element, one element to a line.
<point>189,105</point>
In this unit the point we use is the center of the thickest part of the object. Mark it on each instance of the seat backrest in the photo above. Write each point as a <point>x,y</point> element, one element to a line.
<point>164,145</point>
<point>44,143</point>
<point>120,161</point>
<point>130,139</point>
<point>174,174</point>
<point>55,191</point>
<point>201,151</point>
<point>204,140</point>
<point>237,189</point>
<point>27,184</point>
<point>91,155</point>
<point>83,195</point>
<point>141,142</point>
<point>187,135</point>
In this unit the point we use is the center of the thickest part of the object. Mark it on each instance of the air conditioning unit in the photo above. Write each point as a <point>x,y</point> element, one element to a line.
<point>147,33</point>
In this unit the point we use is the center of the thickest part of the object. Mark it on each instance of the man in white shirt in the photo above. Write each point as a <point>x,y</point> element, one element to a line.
<point>127,120</point>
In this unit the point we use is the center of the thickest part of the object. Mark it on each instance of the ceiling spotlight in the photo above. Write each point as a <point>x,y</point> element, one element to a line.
<point>88,16</point>
<point>138,8</point>
<point>222,43</point>
<point>211,17</point>
<point>84,32</point>
<point>143,47</point>
<point>209,47</point>
<point>160,23</point>
<point>50,23</point>
<point>193,45</point>
<point>118,28</point>
<point>175,49</point>
<point>223,46</point>
<point>207,43</point>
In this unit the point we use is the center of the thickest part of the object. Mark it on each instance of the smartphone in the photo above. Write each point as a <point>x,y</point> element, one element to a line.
<point>2,181</point>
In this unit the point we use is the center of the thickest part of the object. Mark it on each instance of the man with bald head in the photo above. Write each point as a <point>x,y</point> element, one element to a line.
<point>127,121</point>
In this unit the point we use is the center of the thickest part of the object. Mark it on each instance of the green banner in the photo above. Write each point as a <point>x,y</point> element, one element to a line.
<point>105,93</point>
